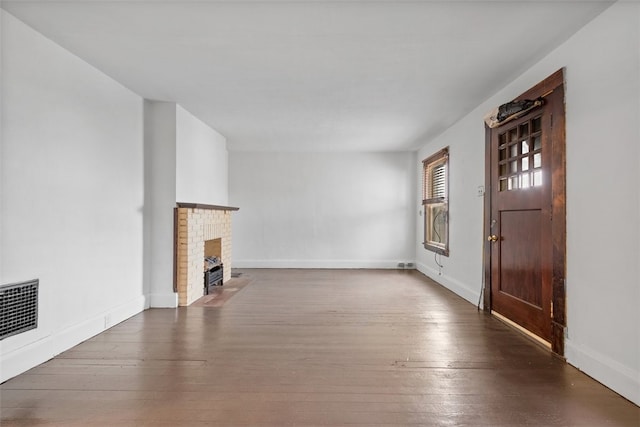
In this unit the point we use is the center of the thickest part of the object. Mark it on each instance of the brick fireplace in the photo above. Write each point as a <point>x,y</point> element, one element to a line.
<point>200,231</point>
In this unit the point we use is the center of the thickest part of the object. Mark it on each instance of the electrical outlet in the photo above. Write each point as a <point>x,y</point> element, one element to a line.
<point>480,190</point>
<point>401,265</point>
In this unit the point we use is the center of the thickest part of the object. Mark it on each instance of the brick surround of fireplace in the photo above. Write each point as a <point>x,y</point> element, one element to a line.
<point>196,224</point>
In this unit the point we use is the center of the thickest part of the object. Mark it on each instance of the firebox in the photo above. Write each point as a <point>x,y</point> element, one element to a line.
<point>213,274</point>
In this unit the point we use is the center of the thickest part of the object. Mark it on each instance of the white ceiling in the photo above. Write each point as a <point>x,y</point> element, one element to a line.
<point>313,75</point>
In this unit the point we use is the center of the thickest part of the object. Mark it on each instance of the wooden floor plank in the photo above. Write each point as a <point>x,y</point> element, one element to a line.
<point>313,348</point>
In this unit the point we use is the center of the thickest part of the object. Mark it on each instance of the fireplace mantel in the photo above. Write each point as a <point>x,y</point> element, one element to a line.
<point>203,206</point>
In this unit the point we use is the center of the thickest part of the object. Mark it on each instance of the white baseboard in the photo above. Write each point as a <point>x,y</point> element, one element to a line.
<point>164,300</point>
<point>45,348</point>
<point>620,378</point>
<point>453,285</point>
<point>295,263</point>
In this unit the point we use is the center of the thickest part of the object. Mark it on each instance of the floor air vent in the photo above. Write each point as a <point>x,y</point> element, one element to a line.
<point>18,308</point>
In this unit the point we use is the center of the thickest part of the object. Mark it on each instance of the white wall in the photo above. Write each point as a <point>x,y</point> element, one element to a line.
<point>185,161</point>
<point>2,138</point>
<point>72,194</point>
<point>159,201</point>
<point>602,65</point>
<point>462,270</point>
<point>348,210</point>
<point>202,162</point>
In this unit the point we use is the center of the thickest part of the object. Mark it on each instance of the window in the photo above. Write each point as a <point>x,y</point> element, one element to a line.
<point>520,156</point>
<point>435,200</point>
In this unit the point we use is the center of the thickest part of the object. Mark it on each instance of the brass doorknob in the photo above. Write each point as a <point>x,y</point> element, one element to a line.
<point>492,238</point>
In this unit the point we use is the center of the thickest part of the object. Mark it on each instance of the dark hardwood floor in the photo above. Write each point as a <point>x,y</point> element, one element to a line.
<point>313,348</point>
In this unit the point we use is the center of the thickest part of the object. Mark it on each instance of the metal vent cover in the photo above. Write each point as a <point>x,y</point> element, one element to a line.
<point>18,308</point>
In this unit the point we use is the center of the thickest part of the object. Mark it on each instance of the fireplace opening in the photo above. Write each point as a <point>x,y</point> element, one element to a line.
<point>213,267</point>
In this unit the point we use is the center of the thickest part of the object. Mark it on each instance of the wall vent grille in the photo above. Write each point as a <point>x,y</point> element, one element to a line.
<point>18,308</point>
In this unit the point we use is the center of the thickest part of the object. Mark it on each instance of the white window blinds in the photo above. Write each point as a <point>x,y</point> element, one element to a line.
<point>434,185</point>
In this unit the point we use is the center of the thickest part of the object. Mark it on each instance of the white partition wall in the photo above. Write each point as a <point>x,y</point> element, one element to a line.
<point>202,171</point>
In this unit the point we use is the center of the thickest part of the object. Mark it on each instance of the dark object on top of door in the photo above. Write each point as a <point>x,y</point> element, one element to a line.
<point>513,108</point>
<point>511,111</point>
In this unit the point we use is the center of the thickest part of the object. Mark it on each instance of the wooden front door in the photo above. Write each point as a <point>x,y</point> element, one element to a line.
<point>526,268</point>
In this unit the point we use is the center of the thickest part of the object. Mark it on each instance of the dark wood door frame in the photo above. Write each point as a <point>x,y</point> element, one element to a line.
<point>553,83</point>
